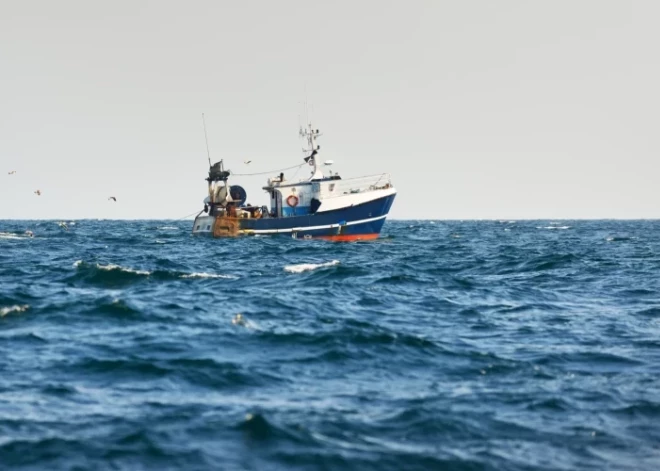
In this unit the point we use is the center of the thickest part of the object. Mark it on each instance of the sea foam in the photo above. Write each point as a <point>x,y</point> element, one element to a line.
<point>309,266</point>
<point>7,310</point>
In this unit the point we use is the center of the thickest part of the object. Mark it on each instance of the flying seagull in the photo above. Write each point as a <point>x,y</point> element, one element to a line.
<point>12,172</point>
<point>247,162</point>
<point>113,199</point>
<point>38,192</point>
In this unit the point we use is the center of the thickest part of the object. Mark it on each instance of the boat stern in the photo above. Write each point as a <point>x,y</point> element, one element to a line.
<point>218,226</point>
<point>203,225</point>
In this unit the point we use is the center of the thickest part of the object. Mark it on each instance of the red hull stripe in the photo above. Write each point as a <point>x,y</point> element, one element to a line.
<point>349,238</point>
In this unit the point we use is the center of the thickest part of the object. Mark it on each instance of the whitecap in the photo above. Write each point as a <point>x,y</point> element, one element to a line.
<point>9,235</point>
<point>208,275</point>
<point>554,227</point>
<point>112,266</point>
<point>240,319</point>
<point>12,236</point>
<point>168,228</point>
<point>6,310</point>
<point>309,266</point>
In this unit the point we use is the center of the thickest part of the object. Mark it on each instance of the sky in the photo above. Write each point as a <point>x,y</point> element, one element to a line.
<point>478,109</point>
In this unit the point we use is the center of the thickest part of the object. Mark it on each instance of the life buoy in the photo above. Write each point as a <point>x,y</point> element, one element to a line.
<point>292,201</point>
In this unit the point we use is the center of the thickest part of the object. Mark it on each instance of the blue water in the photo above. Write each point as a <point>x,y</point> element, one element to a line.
<point>444,345</point>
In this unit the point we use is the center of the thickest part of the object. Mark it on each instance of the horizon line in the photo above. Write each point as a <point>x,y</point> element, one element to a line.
<point>497,219</point>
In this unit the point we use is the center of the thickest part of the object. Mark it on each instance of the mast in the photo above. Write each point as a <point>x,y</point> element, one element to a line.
<point>312,148</point>
<point>217,174</point>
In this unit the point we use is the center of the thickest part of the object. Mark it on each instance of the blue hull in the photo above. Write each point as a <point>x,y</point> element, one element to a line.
<point>359,222</point>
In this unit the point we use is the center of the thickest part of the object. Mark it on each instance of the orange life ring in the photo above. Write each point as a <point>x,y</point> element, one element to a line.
<point>292,201</point>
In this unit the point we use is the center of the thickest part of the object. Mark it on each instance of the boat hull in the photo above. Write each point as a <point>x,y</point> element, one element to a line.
<point>359,222</point>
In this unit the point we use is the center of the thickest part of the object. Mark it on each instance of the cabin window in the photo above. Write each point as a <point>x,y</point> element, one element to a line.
<point>197,228</point>
<point>208,228</point>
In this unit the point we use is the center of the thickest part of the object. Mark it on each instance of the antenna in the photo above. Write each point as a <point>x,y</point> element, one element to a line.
<point>306,108</point>
<point>208,153</point>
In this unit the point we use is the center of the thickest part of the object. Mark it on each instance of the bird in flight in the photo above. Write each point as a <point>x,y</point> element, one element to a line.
<point>12,172</point>
<point>113,199</point>
<point>247,162</point>
<point>38,192</point>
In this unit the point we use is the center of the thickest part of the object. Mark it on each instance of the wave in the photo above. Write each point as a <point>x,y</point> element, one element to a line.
<point>202,372</point>
<point>351,336</point>
<point>113,267</point>
<point>650,312</point>
<point>8,310</point>
<point>257,427</point>
<point>619,238</point>
<point>587,361</point>
<point>641,409</point>
<point>110,267</point>
<point>136,273</point>
<point>117,308</point>
<point>240,319</point>
<point>14,236</point>
<point>208,275</point>
<point>562,228</point>
<point>303,267</point>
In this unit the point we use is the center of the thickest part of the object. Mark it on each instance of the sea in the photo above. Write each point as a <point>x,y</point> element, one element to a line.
<point>458,345</point>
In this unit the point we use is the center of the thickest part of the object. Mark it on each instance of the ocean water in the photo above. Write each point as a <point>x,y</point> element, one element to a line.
<point>499,345</point>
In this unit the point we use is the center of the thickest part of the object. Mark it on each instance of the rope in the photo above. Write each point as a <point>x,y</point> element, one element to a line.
<point>294,175</point>
<point>191,214</point>
<point>266,173</point>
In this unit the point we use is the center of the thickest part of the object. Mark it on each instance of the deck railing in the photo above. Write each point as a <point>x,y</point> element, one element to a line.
<point>359,185</point>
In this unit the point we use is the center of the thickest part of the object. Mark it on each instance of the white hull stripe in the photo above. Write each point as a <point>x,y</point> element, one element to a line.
<point>310,228</point>
<point>335,202</point>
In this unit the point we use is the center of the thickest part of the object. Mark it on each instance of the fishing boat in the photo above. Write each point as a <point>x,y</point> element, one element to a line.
<point>323,206</point>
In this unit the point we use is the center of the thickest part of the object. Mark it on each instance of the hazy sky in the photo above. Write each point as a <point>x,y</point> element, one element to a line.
<point>478,109</point>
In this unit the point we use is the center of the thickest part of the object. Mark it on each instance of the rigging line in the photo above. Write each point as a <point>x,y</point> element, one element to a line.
<point>208,153</point>
<point>294,175</point>
<point>265,173</point>
<point>191,214</point>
